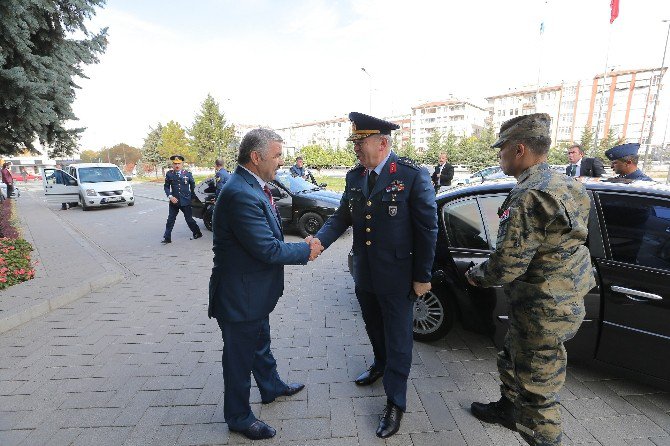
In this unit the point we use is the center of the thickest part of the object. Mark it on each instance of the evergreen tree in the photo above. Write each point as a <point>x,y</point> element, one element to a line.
<point>210,136</point>
<point>587,141</point>
<point>609,141</point>
<point>40,57</point>
<point>434,143</point>
<point>174,142</point>
<point>150,155</point>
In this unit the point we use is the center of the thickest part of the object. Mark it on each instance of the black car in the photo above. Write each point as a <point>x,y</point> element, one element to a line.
<point>301,204</point>
<point>627,322</point>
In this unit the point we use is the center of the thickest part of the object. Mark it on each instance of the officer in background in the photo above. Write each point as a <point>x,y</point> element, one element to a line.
<point>390,203</point>
<point>179,187</point>
<point>545,268</point>
<point>298,169</point>
<point>444,172</point>
<point>221,176</point>
<point>624,160</point>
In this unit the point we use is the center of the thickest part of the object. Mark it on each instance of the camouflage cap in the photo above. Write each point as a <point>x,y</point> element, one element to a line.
<point>526,126</point>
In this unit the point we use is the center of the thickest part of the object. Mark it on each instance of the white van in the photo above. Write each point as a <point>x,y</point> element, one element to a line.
<point>90,184</point>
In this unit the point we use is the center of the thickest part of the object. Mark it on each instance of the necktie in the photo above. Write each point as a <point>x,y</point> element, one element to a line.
<point>372,179</point>
<point>573,170</point>
<point>266,189</point>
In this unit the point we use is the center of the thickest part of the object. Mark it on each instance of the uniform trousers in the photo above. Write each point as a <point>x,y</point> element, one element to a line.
<point>388,322</point>
<point>532,369</point>
<point>172,217</point>
<point>246,350</point>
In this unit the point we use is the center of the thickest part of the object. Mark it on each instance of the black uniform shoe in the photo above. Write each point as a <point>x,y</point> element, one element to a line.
<point>291,389</point>
<point>390,421</point>
<point>498,412</point>
<point>165,241</point>
<point>258,431</point>
<point>197,236</point>
<point>369,376</point>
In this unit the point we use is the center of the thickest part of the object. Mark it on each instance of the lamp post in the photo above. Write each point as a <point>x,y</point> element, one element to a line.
<point>370,88</point>
<point>658,92</point>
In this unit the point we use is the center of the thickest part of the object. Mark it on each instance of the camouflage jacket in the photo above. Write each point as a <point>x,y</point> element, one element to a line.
<point>540,252</point>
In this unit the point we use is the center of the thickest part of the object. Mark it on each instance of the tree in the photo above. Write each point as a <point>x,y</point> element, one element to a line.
<point>587,140</point>
<point>211,138</point>
<point>89,156</point>
<point>434,143</point>
<point>151,157</point>
<point>408,150</point>
<point>609,141</point>
<point>39,61</point>
<point>174,142</point>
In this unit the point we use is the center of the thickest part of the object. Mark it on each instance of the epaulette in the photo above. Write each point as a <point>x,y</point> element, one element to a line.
<point>409,162</point>
<point>356,167</point>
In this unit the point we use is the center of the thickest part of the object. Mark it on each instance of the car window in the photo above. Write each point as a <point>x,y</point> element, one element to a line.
<point>295,184</point>
<point>100,174</point>
<point>638,229</point>
<point>489,207</point>
<point>464,225</point>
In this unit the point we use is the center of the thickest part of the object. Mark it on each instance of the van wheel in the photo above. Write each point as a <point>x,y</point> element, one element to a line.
<point>309,224</point>
<point>433,315</point>
<point>132,203</point>
<point>84,206</point>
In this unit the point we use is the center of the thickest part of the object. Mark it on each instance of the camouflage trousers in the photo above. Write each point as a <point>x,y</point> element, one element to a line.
<point>532,368</point>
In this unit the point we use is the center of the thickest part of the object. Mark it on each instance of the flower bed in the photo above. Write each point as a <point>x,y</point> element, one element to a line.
<point>15,264</point>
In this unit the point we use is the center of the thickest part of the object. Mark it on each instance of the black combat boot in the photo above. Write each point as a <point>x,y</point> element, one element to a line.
<point>500,412</point>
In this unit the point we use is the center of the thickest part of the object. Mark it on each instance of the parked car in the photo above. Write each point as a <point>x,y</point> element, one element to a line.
<point>90,184</point>
<point>627,313</point>
<point>486,174</point>
<point>301,204</point>
<point>28,177</point>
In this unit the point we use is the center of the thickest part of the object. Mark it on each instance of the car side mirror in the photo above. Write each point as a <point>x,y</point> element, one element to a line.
<point>129,178</point>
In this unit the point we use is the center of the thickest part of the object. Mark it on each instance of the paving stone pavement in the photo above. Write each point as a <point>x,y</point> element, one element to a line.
<point>139,363</point>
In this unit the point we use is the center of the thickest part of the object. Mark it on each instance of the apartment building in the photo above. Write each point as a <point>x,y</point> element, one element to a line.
<point>623,103</point>
<point>459,117</point>
<point>332,134</point>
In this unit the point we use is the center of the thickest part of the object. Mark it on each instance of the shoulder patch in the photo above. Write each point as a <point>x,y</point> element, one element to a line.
<point>504,216</point>
<point>409,162</point>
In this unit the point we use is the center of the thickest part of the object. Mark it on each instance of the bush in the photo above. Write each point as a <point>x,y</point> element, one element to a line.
<point>15,264</point>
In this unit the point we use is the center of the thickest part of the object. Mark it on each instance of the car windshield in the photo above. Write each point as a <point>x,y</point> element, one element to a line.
<point>295,185</point>
<point>100,174</point>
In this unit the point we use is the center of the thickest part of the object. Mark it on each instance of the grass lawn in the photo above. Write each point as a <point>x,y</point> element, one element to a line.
<point>334,183</point>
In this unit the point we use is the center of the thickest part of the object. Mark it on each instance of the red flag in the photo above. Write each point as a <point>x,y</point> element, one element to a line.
<point>614,4</point>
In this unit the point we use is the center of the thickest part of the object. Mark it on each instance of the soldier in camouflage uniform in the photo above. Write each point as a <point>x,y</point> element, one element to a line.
<point>545,268</point>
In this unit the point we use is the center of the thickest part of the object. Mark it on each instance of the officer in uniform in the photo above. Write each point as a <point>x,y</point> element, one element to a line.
<point>221,176</point>
<point>179,187</point>
<point>624,160</point>
<point>545,268</point>
<point>390,203</point>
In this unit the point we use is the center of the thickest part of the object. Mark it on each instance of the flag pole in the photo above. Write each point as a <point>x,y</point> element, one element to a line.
<point>600,93</point>
<point>539,62</point>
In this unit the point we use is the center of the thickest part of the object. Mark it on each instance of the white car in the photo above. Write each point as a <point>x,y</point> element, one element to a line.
<point>488,173</point>
<point>90,184</point>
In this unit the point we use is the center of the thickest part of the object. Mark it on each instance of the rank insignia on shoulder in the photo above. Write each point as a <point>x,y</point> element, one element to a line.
<point>408,162</point>
<point>504,216</point>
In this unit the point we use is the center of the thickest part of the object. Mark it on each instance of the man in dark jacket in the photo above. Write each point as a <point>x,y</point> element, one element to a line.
<point>179,187</point>
<point>444,173</point>
<point>583,167</point>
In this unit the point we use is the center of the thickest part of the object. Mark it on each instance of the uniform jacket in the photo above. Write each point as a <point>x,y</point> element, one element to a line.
<point>297,171</point>
<point>180,185</point>
<point>443,177</point>
<point>590,167</point>
<point>249,252</point>
<point>394,226</point>
<point>637,175</point>
<point>540,254</point>
<point>220,178</point>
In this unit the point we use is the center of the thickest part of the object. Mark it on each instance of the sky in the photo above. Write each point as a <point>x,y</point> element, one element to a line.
<point>275,63</point>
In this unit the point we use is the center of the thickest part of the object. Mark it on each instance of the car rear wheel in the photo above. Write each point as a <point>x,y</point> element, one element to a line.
<point>309,224</point>
<point>433,315</point>
<point>207,217</point>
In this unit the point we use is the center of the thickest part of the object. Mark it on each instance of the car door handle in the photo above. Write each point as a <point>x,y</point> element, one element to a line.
<point>630,292</point>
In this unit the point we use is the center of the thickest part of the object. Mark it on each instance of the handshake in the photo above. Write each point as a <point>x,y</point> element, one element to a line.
<point>315,246</point>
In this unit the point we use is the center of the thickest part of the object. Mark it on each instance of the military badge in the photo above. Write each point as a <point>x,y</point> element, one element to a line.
<point>504,216</point>
<point>393,167</point>
<point>393,211</point>
<point>395,186</point>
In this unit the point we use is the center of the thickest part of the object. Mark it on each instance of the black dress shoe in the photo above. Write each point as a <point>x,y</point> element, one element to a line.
<point>369,376</point>
<point>165,241</point>
<point>291,389</point>
<point>497,412</point>
<point>390,421</point>
<point>197,236</point>
<point>258,431</point>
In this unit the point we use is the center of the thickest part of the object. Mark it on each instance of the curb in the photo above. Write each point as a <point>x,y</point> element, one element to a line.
<point>67,296</point>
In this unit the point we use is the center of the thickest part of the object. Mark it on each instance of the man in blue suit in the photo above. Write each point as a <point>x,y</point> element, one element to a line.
<point>179,187</point>
<point>248,279</point>
<point>390,203</point>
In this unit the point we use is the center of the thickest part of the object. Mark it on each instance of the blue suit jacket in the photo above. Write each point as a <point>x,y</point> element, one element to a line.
<point>249,252</point>
<point>394,230</point>
<point>220,178</point>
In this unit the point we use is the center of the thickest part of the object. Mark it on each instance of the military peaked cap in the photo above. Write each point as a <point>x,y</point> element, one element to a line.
<point>622,150</point>
<point>526,126</point>
<point>177,157</point>
<point>363,126</point>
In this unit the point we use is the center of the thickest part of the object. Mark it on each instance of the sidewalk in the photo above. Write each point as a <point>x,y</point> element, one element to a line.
<point>69,266</point>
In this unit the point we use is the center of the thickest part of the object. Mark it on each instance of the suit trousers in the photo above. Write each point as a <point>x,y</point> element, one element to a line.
<point>246,350</point>
<point>172,217</point>
<point>388,322</point>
